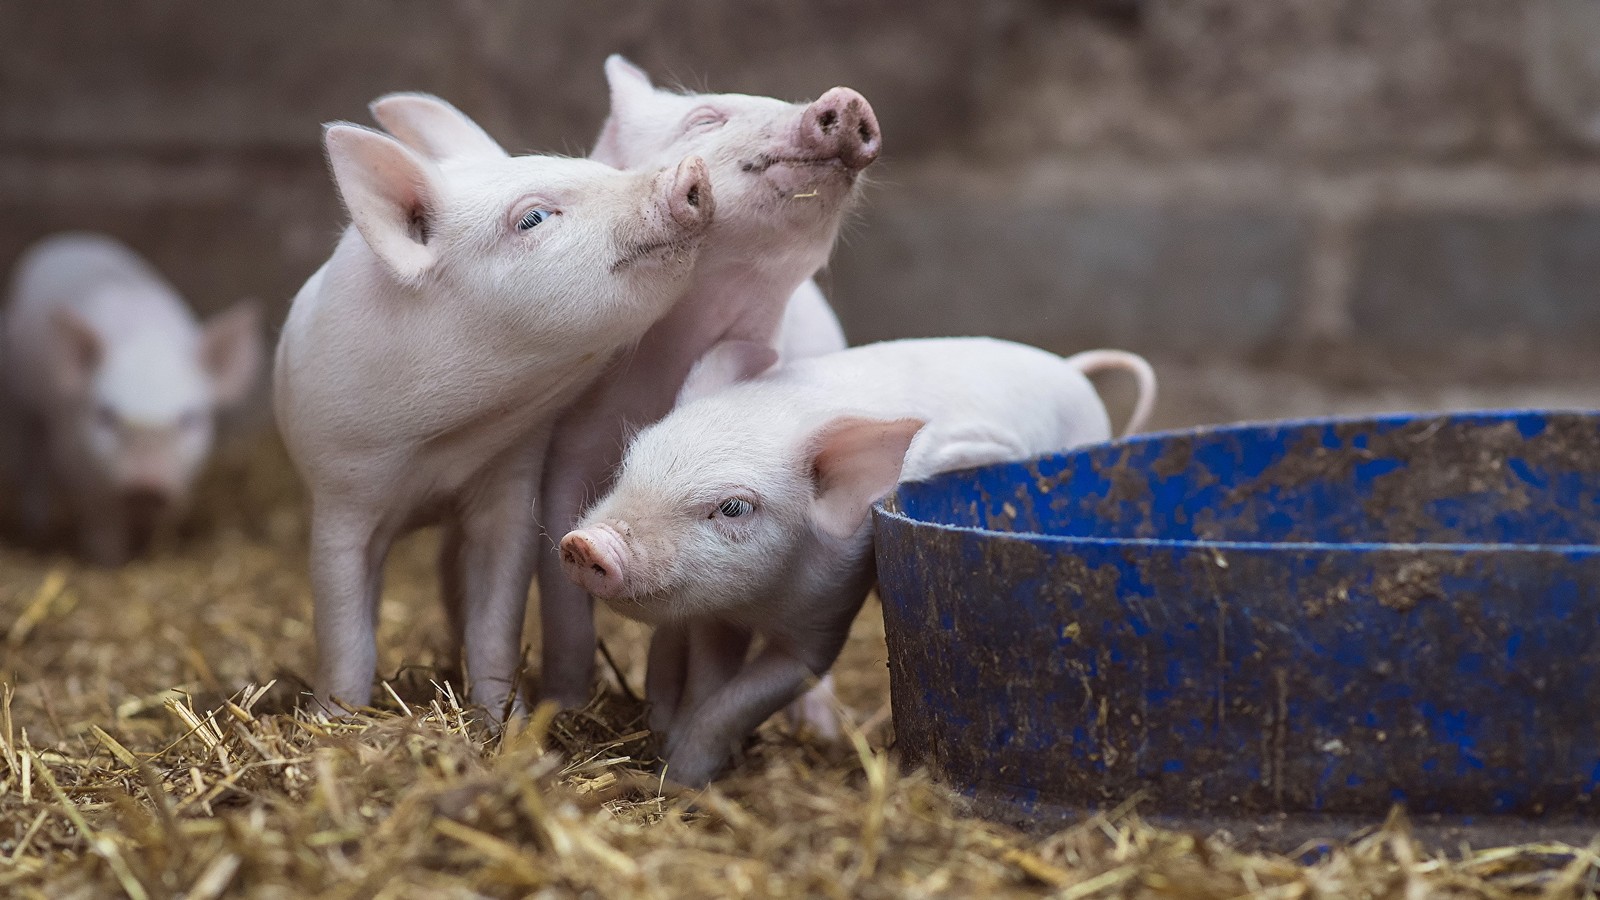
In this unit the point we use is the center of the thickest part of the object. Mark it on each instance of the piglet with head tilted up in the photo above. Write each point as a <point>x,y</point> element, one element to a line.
<point>473,296</point>
<point>785,174</point>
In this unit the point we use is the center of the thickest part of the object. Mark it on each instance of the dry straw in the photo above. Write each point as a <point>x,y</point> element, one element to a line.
<point>150,746</point>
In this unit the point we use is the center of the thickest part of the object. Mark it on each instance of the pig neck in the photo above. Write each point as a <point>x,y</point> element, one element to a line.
<point>511,367</point>
<point>495,365</point>
<point>815,594</point>
<point>729,299</point>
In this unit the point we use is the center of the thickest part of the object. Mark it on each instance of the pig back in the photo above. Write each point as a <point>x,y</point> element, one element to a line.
<point>1002,399</point>
<point>109,286</point>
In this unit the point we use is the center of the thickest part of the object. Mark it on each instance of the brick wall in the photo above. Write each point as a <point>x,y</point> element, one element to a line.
<point>1215,176</point>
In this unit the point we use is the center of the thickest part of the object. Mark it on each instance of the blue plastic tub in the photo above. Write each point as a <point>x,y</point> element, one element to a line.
<point>1321,616</point>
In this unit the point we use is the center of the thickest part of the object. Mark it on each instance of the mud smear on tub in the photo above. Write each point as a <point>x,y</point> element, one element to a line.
<point>1465,483</point>
<point>955,694</point>
<point>1429,480</point>
<point>1413,582</point>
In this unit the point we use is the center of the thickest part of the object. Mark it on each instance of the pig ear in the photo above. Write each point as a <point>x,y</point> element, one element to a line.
<point>625,77</point>
<point>77,353</point>
<point>629,86</point>
<point>855,462</point>
<point>231,352</point>
<point>433,127</point>
<point>392,195</point>
<point>724,365</point>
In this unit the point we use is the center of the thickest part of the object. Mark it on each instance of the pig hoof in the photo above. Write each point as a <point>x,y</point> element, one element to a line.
<point>818,716</point>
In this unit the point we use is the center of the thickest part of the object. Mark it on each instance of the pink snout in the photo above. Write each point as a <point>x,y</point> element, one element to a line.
<point>688,199</point>
<point>595,558</point>
<point>840,125</point>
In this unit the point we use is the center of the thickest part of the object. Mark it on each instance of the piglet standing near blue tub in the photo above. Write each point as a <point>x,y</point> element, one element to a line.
<point>746,511</point>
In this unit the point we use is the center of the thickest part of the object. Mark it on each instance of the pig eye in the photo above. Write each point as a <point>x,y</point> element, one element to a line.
<point>705,119</point>
<point>533,217</point>
<point>733,507</point>
<point>191,420</point>
<point>106,417</point>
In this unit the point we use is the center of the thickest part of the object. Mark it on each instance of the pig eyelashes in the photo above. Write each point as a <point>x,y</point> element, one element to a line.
<point>704,119</point>
<point>534,217</point>
<point>734,507</point>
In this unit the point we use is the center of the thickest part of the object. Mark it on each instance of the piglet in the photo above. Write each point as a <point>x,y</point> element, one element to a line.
<point>745,511</point>
<point>113,389</point>
<point>439,130</point>
<point>472,297</point>
<point>785,175</point>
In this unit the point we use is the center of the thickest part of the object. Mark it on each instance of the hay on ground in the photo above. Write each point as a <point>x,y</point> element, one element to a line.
<point>150,746</point>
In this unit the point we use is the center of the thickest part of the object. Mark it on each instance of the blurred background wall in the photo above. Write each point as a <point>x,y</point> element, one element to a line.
<point>1208,177</point>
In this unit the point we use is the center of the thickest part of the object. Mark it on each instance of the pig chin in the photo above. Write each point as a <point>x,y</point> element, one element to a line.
<point>809,184</point>
<point>658,255</point>
<point>647,609</point>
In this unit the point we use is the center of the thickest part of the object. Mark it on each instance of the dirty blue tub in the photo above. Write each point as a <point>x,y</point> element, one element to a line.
<point>1320,616</point>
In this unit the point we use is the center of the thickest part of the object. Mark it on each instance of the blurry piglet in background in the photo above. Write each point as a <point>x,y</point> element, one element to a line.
<point>745,512</point>
<point>785,173</point>
<point>112,389</point>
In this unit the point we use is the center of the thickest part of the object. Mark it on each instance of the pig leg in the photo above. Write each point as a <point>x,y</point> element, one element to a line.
<point>819,708</point>
<point>566,612</point>
<point>566,619</point>
<point>35,482</point>
<point>34,506</point>
<point>809,326</point>
<point>690,662</point>
<point>698,751</point>
<point>103,533</point>
<point>717,652</point>
<point>665,673</point>
<point>347,554</point>
<point>451,590</point>
<point>494,567</point>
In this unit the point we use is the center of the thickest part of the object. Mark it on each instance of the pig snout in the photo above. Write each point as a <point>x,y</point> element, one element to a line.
<point>688,198</point>
<point>595,558</point>
<point>840,125</point>
<point>677,211</point>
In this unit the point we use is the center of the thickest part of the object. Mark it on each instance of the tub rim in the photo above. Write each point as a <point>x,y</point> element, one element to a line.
<point>888,509</point>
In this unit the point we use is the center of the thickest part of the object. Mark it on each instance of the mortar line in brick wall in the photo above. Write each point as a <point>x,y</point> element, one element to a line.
<point>133,177</point>
<point>1237,183</point>
<point>1492,187</point>
<point>167,152</point>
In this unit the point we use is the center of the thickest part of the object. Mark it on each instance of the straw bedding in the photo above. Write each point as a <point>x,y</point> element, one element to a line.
<point>150,746</point>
